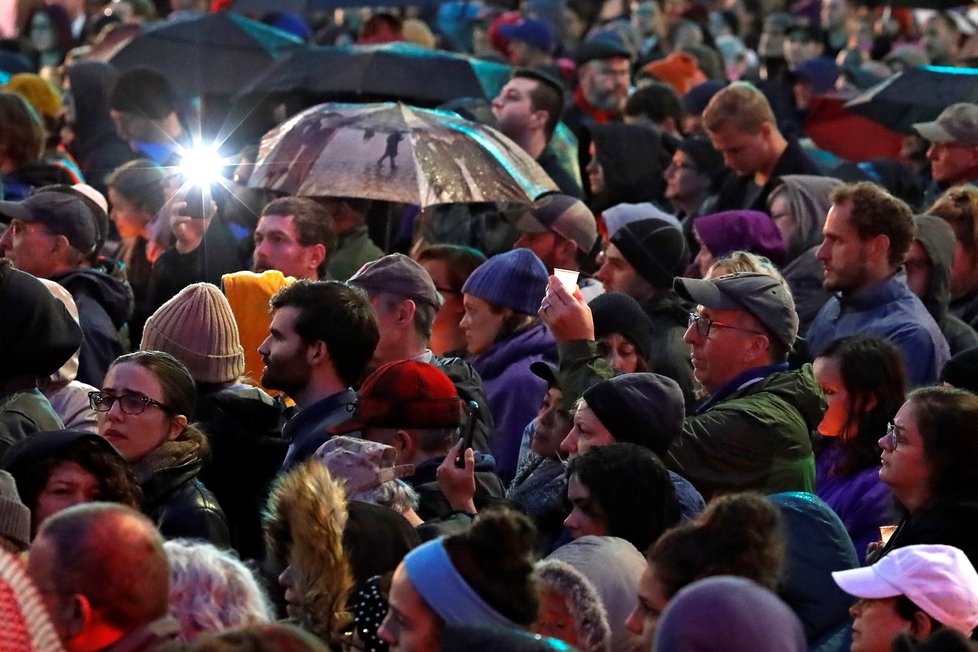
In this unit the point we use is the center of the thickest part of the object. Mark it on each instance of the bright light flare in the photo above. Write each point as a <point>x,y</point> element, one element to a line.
<point>202,165</point>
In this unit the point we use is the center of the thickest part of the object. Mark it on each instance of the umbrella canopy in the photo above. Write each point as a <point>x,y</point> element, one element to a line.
<point>214,54</point>
<point>831,126</point>
<point>397,153</point>
<point>915,95</point>
<point>393,71</point>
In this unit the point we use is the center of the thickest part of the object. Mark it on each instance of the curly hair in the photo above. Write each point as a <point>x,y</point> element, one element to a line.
<point>958,206</point>
<point>738,534</point>
<point>212,590</point>
<point>304,522</point>
<point>495,558</point>
<point>877,212</point>
<point>873,375</point>
<point>947,419</point>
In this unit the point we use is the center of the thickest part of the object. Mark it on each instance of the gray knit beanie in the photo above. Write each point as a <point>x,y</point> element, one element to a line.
<point>15,518</point>
<point>516,279</point>
<point>198,328</point>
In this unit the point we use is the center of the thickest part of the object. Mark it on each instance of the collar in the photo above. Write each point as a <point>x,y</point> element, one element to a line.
<point>873,297</point>
<point>317,411</point>
<point>742,380</point>
<point>599,115</point>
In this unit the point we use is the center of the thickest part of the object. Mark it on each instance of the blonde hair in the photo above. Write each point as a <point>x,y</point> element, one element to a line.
<point>743,261</point>
<point>740,104</point>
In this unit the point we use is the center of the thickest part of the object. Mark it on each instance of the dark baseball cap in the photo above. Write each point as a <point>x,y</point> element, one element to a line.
<point>62,213</point>
<point>763,296</point>
<point>565,215</point>
<point>400,275</point>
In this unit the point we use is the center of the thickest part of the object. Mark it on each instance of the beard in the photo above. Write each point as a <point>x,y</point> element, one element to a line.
<point>288,376</point>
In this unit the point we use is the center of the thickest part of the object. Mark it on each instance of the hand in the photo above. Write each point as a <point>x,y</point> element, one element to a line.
<point>566,315</point>
<point>457,484</point>
<point>188,231</point>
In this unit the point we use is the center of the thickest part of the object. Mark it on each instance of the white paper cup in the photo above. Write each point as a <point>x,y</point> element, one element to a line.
<point>568,277</point>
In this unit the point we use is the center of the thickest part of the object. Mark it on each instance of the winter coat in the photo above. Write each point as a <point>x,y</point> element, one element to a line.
<point>669,354</point>
<point>244,429</point>
<point>470,388</point>
<point>948,522</point>
<point>24,413</point>
<point>540,491</point>
<point>633,160</point>
<point>104,306</point>
<point>308,428</point>
<point>862,500</point>
<point>513,391</point>
<point>890,311</point>
<point>304,525</point>
<point>174,499</point>
<point>937,238</point>
<point>353,250</point>
<point>431,500</point>
<point>738,192</point>
<point>756,437</point>
<point>817,545</point>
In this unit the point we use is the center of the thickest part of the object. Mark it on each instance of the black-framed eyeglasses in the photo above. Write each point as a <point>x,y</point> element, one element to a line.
<point>704,324</point>
<point>893,438</point>
<point>132,404</point>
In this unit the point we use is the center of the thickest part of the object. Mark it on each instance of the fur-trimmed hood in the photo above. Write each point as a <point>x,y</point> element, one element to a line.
<point>304,523</point>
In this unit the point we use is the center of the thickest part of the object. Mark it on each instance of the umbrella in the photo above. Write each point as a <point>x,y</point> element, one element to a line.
<point>393,71</point>
<point>397,153</point>
<point>831,126</point>
<point>214,54</point>
<point>915,95</point>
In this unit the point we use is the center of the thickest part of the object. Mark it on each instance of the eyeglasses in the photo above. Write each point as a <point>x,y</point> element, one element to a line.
<point>132,404</point>
<point>892,439</point>
<point>704,324</point>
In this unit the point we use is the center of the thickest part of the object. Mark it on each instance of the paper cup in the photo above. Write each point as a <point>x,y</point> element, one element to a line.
<point>886,531</point>
<point>568,277</point>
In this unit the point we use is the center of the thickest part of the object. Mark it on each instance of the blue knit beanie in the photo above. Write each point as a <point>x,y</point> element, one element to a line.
<point>516,279</point>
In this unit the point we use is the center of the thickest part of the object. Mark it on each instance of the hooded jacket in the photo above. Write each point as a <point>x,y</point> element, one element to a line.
<point>633,160</point>
<point>304,526</point>
<point>937,238</point>
<point>104,306</point>
<point>808,201</point>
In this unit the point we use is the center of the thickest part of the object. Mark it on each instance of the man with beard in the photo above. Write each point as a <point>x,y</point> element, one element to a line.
<point>322,336</point>
<point>295,235</point>
<point>867,234</point>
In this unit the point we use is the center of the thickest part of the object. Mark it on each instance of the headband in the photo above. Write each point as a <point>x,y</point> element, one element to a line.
<point>434,577</point>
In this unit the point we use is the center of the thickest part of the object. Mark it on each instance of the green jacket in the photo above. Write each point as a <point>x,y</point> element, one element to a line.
<point>353,250</point>
<point>758,438</point>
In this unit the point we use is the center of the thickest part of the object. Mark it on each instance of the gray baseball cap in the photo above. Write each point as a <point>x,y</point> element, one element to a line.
<point>400,275</point>
<point>763,296</point>
<point>566,216</point>
<point>957,123</point>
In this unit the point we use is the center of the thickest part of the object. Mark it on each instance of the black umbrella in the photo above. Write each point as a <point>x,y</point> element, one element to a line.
<point>216,54</point>
<point>394,71</point>
<point>915,95</point>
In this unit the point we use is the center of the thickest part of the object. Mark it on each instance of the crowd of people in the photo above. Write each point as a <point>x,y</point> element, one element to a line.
<point>252,420</point>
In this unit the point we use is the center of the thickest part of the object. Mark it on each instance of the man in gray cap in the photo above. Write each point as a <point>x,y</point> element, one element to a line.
<point>953,151</point>
<point>562,232</point>
<point>752,431</point>
<point>405,301</point>
<point>53,235</point>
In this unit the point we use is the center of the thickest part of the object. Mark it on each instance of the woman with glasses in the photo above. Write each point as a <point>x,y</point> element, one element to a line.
<point>142,411</point>
<point>863,382</point>
<point>929,453</point>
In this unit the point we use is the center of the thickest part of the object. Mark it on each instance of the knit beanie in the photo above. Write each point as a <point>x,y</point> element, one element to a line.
<point>516,279</point>
<point>680,70</point>
<point>655,248</point>
<point>962,370</point>
<point>645,409</point>
<point>38,92</point>
<point>15,518</point>
<point>197,327</point>
<point>614,312</point>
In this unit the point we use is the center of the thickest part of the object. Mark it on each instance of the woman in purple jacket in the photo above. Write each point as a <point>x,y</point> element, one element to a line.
<point>864,384</point>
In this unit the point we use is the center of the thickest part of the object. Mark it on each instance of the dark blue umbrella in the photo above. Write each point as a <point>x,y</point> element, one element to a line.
<point>215,54</point>
<point>393,71</point>
<point>915,95</point>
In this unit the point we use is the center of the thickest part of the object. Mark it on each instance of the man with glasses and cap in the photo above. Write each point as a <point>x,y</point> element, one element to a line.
<point>53,235</point>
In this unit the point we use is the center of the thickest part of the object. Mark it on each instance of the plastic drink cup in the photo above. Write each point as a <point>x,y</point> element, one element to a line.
<point>568,277</point>
<point>886,531</point>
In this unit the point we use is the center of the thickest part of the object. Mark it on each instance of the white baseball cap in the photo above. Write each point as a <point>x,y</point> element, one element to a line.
<point>938,579</point>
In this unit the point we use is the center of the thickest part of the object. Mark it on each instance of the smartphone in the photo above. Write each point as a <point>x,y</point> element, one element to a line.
<point>197,201</point>
<point>471,409</point>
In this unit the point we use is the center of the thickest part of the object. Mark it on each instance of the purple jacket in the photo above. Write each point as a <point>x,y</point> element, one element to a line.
<point>513,391</point>
<point>862,501</point>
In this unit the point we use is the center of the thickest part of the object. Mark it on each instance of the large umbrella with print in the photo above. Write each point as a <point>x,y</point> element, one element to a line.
<point>395,152</point>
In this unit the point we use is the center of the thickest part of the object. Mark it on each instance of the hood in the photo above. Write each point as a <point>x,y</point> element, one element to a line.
<point>114,295</point>
<point>248,405</point>
<point>730,231</point>
<point>799,388</point>
<point>304,524</point>
<point>534,343</point>
<point>808,198</point>
<point>817,545</point>
<point>91,83</point>
<point>937,238</point>
<point>68,370</point>
<point>633,160</point>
